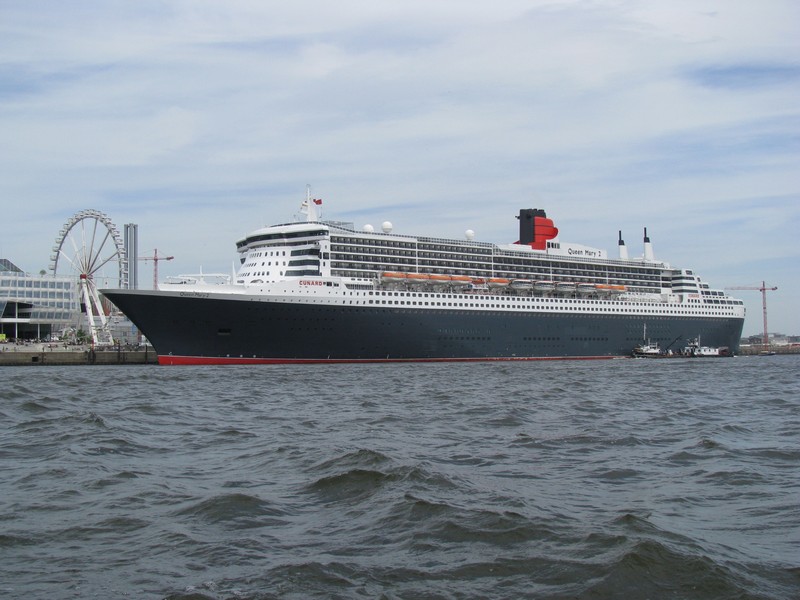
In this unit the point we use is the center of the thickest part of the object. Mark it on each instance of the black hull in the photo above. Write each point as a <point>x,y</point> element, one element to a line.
<point>192,330</point>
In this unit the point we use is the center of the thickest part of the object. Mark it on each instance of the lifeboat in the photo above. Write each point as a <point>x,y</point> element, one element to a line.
<point>521,284</point>
<point>544,286</point>
<point>497,282</point>
<point>393,276</point>
<point>565,287</point>
<point>610,289</point>
<point>586,288</point>
<point>418,277</point>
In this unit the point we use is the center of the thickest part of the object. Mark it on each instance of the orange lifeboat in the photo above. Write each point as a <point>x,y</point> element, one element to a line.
<point>497,282</point>
<point>418,277</point>
<point>393,276</point>
<point>610,289</point>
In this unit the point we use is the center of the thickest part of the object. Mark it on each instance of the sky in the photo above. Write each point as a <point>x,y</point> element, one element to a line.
<point>202,120</point>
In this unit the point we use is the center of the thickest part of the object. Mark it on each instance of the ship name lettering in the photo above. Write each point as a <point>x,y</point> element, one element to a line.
<point>574,252</point>
<point>307,282</point>
<point>194,294</point>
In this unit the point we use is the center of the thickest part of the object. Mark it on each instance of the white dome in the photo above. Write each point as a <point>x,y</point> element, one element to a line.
<point>386,226</point>
<point>369,228</point>
<point>469,234</point>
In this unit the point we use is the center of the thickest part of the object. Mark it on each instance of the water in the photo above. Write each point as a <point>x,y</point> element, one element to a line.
<point>598,479</point>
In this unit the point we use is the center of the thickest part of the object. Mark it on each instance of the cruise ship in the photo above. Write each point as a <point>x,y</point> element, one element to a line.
<point>318,291</point>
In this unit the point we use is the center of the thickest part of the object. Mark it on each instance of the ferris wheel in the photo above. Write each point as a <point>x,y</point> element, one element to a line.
<point>89,249</point>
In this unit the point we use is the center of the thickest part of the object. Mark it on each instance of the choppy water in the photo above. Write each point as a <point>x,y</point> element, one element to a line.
<point>607,479</point>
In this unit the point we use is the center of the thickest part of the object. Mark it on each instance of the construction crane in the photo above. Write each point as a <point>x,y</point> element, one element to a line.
<point>155,258</point>
<point>763,289</point>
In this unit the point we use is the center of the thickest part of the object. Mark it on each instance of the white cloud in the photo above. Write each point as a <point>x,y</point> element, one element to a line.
<point>200,120</point>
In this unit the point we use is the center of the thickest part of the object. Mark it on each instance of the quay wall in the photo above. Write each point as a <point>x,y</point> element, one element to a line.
<point>756,350</point>
<point>78,357</point>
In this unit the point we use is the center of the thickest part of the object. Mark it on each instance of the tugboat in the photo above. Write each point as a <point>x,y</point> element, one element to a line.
<point>648,350</point>
<point>695,350</point>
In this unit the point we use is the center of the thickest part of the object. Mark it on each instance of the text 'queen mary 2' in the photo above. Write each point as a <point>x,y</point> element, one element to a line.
<point>315,291</point>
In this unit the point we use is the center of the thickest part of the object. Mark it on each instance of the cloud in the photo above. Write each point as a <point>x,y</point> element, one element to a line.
<point>200,120</point>
<point>746,77</point>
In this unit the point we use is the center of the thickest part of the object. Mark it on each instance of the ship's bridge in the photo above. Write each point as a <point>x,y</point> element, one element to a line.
<point>282,235</point>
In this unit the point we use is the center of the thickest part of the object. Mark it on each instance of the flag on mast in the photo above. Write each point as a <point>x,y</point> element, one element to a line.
<point>309,206</point>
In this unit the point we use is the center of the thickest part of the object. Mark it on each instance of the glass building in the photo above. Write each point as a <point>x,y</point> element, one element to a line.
<point>35,306</point>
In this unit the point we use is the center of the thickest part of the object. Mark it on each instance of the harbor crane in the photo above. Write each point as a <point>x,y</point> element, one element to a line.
<point>155,258</point>
<point>763,289</point>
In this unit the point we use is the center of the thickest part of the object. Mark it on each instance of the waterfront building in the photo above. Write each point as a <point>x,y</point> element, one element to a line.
<point>35,306</point>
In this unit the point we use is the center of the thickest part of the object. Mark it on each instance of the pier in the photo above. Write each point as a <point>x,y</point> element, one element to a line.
<point>57,354</point>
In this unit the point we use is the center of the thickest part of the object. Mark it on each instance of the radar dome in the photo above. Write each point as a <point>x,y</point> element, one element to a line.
<point>386,226</point>
<point>469,234</point>
<point>369,228</point>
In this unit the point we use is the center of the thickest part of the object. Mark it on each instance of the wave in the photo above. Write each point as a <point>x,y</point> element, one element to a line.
<point>357,476</point>
<point>648,569</point>
<point>239,511</point>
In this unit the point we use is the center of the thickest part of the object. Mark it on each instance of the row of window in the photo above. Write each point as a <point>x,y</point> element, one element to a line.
<point>520,266</point>
<point>460,260</point>
<point>36,294</point>
<point>626,308</point>
<point>52,315</point>
<point>26,282</point>
<point>391,298</point>
<point>280,237</point>
<point>364,270</point>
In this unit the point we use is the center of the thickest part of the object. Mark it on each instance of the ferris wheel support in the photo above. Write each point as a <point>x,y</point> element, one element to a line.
<point>95,314</point>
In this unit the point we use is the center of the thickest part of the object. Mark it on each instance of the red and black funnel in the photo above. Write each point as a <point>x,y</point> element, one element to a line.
<point>535,228</point>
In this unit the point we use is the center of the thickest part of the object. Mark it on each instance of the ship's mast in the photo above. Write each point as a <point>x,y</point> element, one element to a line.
<point>310,206</point>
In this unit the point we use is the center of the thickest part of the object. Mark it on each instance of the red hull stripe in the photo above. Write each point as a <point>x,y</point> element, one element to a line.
<point>225,360</point>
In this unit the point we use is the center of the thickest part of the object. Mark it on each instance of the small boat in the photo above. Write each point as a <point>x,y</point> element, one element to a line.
<point>648,350</point>
<point>544,286</point>
<point>418,277</point>
<point>695,349</point>
<point>393,276</point>
<point>565,287</point>
<point>586,288</point>
<point>497,282</point>
<point>521,284</point>
<point>610,289</point>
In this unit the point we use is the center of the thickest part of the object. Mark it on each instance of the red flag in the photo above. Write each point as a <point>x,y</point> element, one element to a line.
<point>317,201</point>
